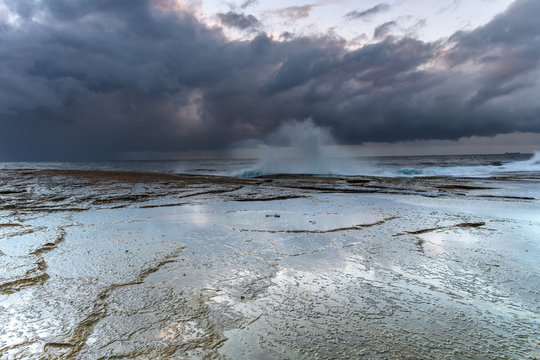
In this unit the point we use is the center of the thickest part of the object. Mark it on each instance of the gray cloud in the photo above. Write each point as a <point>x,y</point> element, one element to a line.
<point>286,35</point>
<point>239,21</point>
<point>95,79</point>
<point>293,13</point>
<point>355,15</point>
<point>507,49</point>
<point>248,3</point>
<point>383,29</point>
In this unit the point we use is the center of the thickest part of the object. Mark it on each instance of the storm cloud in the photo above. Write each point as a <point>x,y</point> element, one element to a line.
<point>96,79</point>
<point>239,21</point>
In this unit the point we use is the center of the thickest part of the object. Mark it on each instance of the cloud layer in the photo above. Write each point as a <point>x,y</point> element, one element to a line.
<point>364,14</point>
<point>239,21</point>
<point>93,79</point>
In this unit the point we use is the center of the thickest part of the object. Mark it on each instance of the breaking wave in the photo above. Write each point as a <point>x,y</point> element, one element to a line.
<point>499,167</point>
<point>297,147</point>
<point>301,147</point>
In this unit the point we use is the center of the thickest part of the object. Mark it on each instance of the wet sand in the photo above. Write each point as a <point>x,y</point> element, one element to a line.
<point>110,265</point>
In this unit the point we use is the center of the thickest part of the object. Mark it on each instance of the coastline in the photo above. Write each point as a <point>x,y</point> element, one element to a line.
<point>134,264</point>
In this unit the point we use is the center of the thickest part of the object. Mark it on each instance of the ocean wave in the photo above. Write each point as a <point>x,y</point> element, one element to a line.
<point>531,165</point>
<point>498,166</point>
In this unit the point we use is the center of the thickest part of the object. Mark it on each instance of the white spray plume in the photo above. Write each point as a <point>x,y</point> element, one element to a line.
<point>296,147</point>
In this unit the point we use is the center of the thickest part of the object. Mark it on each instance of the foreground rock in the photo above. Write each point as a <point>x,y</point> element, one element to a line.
<point>138,265</point>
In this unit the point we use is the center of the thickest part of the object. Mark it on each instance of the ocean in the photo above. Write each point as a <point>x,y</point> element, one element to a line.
<point>490,165</point>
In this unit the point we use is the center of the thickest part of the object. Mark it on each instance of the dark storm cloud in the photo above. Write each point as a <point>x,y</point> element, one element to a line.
<point>239,21</point>
<point>507,48</point>
<point>98,79</point>
<point>354,15</point>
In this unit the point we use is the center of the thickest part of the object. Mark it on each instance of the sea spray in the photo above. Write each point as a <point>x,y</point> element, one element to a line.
<point>297,147</point>
<point>302,147</point>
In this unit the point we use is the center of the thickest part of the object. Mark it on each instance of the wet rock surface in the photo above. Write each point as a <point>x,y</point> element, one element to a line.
<point>110,265</point>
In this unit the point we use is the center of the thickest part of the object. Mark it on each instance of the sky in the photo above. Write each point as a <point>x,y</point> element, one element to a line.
<point>162,79</point>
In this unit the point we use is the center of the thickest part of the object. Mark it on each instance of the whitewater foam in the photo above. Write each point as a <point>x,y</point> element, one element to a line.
<point>320,163</point>
<point>302,147</point>
<point>531,165</point>
<point>297,147</point>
